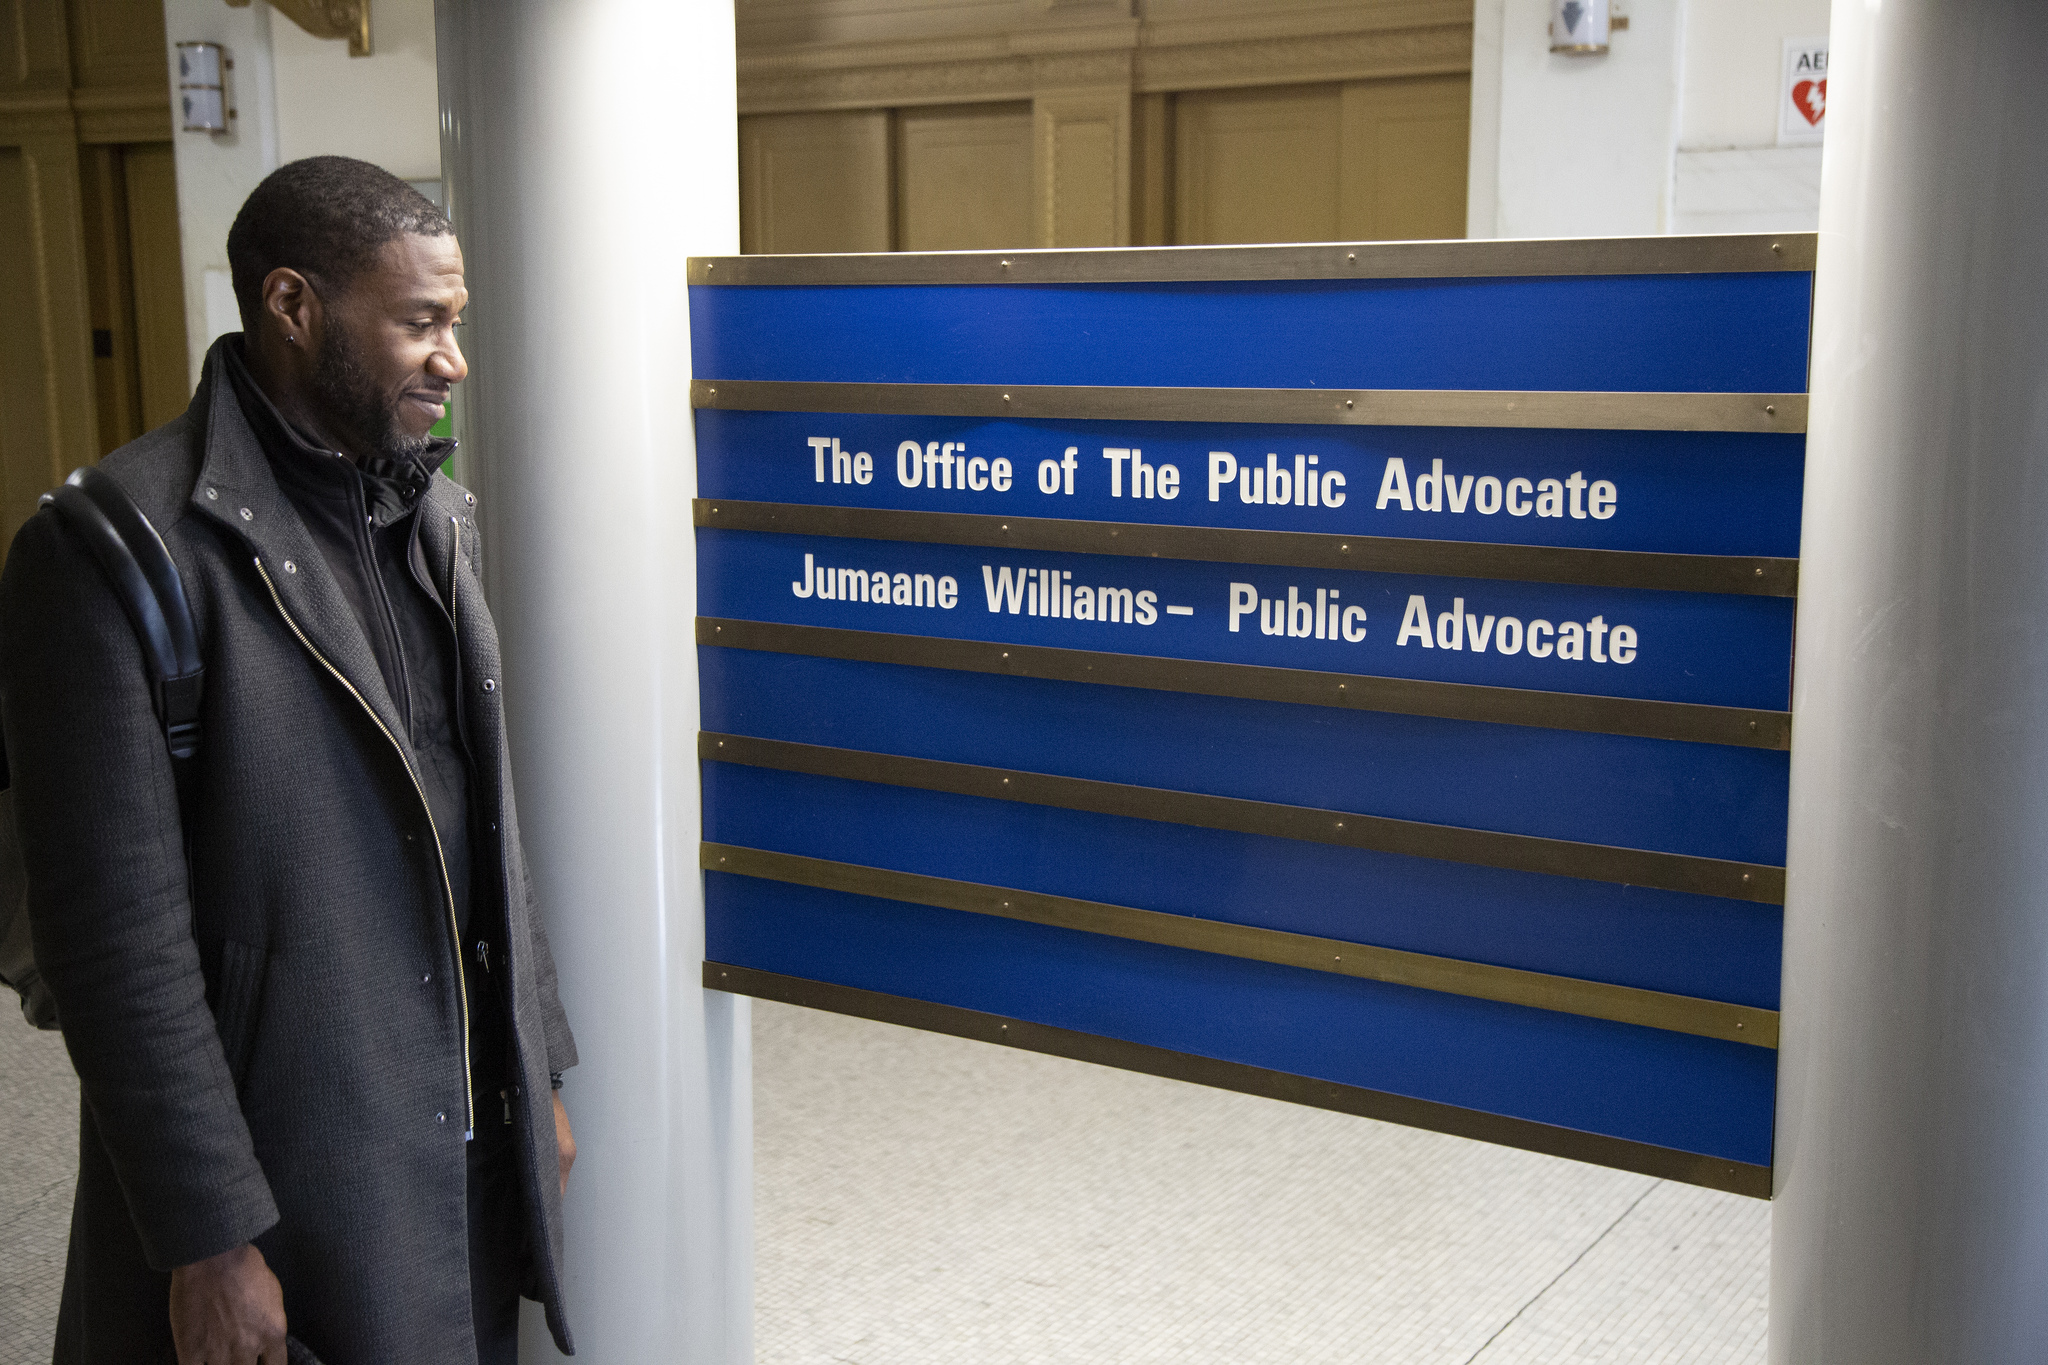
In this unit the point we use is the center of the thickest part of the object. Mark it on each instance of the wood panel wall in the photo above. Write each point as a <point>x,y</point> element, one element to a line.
<point>1143,125</point>
<point>88,240</point>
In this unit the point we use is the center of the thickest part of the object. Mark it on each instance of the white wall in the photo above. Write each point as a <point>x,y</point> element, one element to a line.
<point>294,96</point>
<point>1732,53</point>
<point>1573,146</point>
<point>381,108</point>
<point>1728,174</point>
<point>1672,130</point>
<point>217,171</point>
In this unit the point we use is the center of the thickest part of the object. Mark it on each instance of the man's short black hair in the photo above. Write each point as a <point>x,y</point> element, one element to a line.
<point>325,217</point>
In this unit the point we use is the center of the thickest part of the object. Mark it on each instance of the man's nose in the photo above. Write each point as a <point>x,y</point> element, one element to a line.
<point>447,363</point>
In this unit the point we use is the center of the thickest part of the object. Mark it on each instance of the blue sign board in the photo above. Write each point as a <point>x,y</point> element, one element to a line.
<point>1358,675</point>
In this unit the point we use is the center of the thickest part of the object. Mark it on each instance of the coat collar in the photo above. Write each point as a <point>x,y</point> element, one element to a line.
<point>238,491</point>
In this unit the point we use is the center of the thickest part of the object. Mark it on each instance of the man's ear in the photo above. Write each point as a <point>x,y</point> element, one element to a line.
<point>291,308</point>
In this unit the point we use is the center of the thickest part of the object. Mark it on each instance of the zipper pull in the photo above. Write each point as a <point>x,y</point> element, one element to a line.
<point>506,1096</point>
<point>483,953</point>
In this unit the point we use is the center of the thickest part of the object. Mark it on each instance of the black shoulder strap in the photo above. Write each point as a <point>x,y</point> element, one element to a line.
<point>146,582</point>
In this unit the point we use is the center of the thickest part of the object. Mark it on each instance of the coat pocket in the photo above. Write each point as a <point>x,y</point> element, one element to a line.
<point>234,1015</point>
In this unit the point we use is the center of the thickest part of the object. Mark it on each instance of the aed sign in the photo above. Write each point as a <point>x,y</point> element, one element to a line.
<point>1372,692</point>
<point>1803,92</point>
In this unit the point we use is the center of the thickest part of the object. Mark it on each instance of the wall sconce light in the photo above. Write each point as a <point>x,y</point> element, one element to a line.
<point>1578,27</point>
<point>202,89</point>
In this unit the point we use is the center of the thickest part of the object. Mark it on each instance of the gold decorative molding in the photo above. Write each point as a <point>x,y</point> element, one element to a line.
<point>1112,9</point>
<point>1082,70</point>
<point>348,19</point>
<point>1375,55</point>
<point>1246,23</point>
<point>36,112</point>
<point>122,115</point>
<point>111,114</point>
<point>884,87</point>
<point>1276,46</point>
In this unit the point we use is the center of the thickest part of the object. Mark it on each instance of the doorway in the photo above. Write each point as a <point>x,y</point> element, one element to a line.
<point>92,308</point>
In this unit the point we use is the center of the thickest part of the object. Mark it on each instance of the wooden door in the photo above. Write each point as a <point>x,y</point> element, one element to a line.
<point>1406,147</point>
<point>963,177</point>
<point>91,288</point>
<point>136,284</point>
<point>1361,161</point>
<point>942,178</point>
<point>29,458</point>
<point>815,182</point>
<point>1258,165</point>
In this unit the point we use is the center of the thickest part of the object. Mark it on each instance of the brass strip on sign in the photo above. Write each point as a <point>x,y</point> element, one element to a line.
<point>1761,883</point>
<point>1741,574</point>
<point>1685,721</point>
<point>1673,255</point>
<point>1559,409</point>
<point>1393,966</point>
<point>1643,1158</point>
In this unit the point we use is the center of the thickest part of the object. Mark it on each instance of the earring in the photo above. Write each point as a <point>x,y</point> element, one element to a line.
<point>289,340</point>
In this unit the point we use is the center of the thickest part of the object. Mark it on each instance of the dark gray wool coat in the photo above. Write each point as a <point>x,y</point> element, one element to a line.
<point>273,1052</point>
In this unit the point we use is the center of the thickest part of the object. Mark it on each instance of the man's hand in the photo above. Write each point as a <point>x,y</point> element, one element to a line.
<point>229,1309</point>
<point>565,1141</point>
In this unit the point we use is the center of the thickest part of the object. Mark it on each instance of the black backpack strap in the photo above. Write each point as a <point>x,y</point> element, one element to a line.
<point>146,583</point>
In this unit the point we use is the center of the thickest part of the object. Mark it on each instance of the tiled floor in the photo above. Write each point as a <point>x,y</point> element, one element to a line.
<point>38,1164</point>
<point>923,1199</point>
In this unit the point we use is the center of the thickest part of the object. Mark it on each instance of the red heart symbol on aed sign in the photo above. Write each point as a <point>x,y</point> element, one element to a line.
<point>1812,99</point>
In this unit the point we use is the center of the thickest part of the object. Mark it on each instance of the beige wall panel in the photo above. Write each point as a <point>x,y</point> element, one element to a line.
<point>1404,154</point>
<point>117,42</point>
<point>1083,140</point>
<point>1084,183</point>
<point>815,182</point>
<point>1152,170</point>
<point>24,377</point>
<point>159,282</point>
<point>964,178</point>
<point>34,46</point>
<point>1257,165</point>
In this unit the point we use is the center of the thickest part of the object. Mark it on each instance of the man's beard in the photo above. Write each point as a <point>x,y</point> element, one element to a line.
<point>349,394</point>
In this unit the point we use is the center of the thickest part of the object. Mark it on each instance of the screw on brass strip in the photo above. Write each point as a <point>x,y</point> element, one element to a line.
<point>1757,882</point>
<point>1684,721</point>
<point>1555,410</point>
<point>1392,966</point>
<point>1663,255</point>
<point>1621,1154</point>
<point>1746,575</point>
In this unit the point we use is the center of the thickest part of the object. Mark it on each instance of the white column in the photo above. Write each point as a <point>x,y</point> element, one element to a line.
<point>589,148</point>
<point>1482,161</point>
<point>1911,1220</point>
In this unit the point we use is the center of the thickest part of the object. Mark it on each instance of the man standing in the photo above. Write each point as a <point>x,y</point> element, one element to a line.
<point>313,1011</point>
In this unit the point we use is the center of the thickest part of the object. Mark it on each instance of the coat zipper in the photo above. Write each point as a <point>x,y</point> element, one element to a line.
<point>447,886</point>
